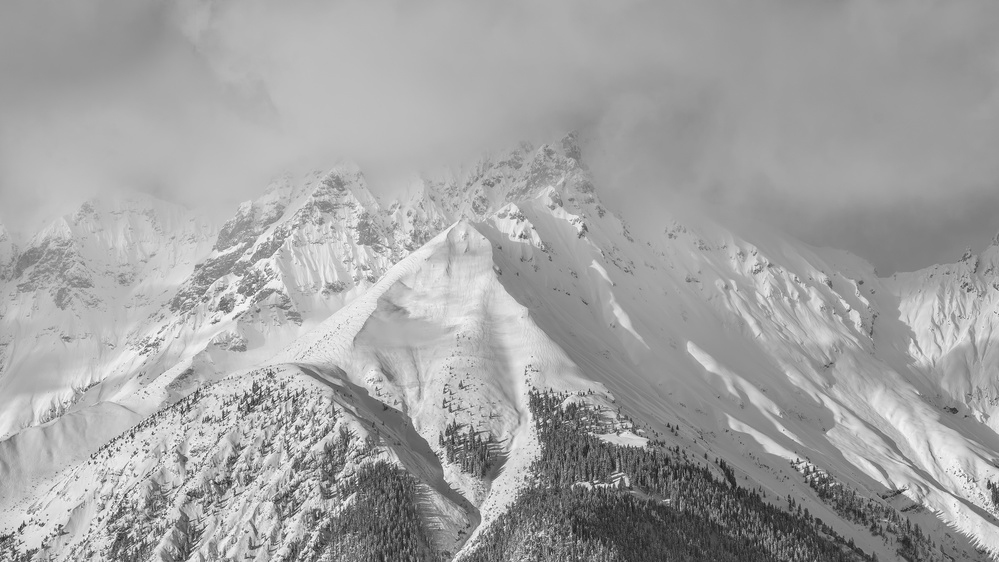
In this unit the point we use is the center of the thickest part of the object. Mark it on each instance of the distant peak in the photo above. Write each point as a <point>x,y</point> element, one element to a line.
<point>570,146</point>
<point>285,190</point>
<point>128,202</point>
<point>346,167</point>
<point>416,189</point>
<point>566,147</point>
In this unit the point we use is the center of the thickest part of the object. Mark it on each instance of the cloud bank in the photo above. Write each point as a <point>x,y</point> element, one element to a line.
<point>870,125</point>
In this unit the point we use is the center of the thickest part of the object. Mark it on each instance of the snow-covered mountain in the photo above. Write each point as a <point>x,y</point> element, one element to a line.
<point>177,390</point>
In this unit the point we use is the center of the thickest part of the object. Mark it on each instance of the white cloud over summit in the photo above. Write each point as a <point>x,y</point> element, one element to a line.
<point>846,122</point>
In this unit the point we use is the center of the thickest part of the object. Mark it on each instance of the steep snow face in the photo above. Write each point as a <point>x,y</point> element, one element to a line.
<point>951,311</point>
<point>440,339</point>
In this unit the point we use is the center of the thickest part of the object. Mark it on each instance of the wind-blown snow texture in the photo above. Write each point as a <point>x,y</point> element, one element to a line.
<point>450,305</point>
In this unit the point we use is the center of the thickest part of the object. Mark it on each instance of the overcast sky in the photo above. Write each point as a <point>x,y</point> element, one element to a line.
<point>871,125</point>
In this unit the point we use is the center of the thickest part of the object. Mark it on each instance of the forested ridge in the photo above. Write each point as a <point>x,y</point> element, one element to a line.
<point>879,518</point>
<point>672,507</point>
<point>379,524</point>
<point>322,491</point>
<point>588,499</point>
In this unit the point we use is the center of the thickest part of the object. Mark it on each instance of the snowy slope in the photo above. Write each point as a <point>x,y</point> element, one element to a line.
<point>79,292</point>
<point>764,351</point>
<point>440,338</point>
<point>483,282</point>
<point>235,470</point>
<point>951,312</point>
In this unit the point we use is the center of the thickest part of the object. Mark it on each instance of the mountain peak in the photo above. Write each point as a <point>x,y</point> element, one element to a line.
<point>571,148</point>
<point>125,202</point>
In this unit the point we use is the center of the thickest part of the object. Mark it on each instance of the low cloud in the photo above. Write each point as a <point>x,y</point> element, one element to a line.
<point>842,122</point>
